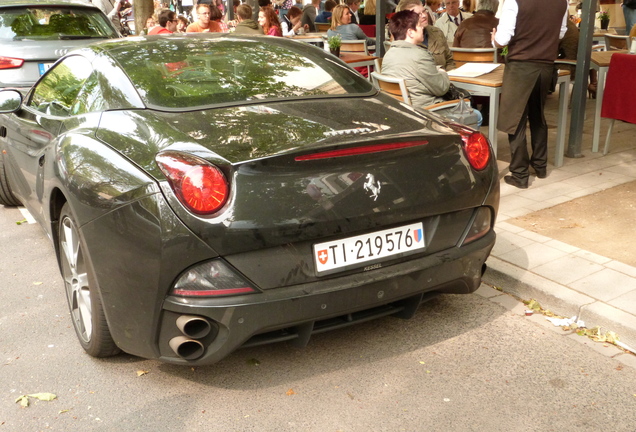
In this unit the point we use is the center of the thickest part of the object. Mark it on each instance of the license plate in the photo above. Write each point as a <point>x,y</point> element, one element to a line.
<point>367,248</point>
<point>44,67</point>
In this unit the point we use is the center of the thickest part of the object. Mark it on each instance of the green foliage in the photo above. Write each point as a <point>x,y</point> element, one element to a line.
<point>334,42</point>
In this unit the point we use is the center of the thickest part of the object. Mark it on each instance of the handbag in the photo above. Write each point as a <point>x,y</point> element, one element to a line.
<point>455,93</point>
<point>463,114</point>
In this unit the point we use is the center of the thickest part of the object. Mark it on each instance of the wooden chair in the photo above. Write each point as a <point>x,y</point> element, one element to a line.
<point>617,42</point>
<point>354,46</point>
<point>474,55</point>
<point>377,65</point>
<point>395,87</point>
<point>444,105</point>
<point>322,27</point>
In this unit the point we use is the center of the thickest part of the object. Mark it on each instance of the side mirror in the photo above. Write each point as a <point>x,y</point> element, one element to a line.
<point>10,101</point>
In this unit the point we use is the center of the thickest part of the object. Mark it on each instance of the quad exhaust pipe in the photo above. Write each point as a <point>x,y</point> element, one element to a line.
<point>193,328</point>
<point>188,349</point>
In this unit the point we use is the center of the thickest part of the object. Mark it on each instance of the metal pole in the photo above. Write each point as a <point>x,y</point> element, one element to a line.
<point>380,13</point>
<point>579,91</point>
<point>229,9</point>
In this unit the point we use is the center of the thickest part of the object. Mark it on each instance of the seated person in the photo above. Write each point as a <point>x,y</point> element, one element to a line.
<point>292,22</point>
<point>406,59</point>
<point>325,16</point>
<point>475,32</point>
<point>367,13</point>
<point>183,24</point>
<point>167,23</point>
<point>434,39</point>
<point>268,20</point>
<point>341,25</point>
<point>151,22</point>
<point>244,23</point>
<point>206,20</point>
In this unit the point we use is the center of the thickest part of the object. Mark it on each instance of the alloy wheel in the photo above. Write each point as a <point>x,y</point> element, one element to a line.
<point>76,279</point>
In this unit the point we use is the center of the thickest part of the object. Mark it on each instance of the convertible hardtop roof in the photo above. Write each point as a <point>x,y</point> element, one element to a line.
<point>186,38</point>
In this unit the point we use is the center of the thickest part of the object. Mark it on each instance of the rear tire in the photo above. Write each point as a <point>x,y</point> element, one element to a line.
<point>6,196</point>
<point>84,302</point>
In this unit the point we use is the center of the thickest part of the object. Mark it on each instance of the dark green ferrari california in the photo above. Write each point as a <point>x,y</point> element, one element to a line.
<point>209,192</point>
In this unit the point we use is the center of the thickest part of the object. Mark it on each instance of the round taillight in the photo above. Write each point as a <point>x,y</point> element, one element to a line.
<point>199,185</point>
<point>477,150</point>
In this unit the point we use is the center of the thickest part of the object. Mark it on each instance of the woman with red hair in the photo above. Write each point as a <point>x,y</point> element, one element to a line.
<point>268,20</point>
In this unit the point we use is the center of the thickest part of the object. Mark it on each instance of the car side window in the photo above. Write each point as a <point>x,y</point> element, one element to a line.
<point>57,92</point>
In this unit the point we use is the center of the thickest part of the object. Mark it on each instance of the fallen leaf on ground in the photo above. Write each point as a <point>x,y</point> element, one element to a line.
<point>21,222</point>
<point>24,399</point>
<point>43,396</point>
<point>141,372</point>
<point>37,283</point>
<point>253,362</point>
<point>534,305</point>
<point>290,392</point>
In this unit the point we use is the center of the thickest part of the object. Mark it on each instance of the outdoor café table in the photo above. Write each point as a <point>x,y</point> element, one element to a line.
<point>490,85</point>
<point>318,37</point>
<point>359,60</point>
<point>600,62</point>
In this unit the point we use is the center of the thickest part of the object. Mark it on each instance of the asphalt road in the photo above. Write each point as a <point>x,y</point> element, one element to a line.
<point>463,363</point>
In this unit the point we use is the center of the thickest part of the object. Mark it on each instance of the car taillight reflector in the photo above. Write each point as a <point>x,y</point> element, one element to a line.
<point>353,151</point>
<point>198,184</point>
<point>10,63</point>
<point>481,225</point>
<point>476,148</point>
<point>211,279</point>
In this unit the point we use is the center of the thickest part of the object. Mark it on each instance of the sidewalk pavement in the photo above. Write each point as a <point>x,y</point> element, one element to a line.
<point>563,278</point>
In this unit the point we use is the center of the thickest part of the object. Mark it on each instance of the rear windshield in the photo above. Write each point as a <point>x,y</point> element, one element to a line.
<point>50,23</point>
<point>187,72</point>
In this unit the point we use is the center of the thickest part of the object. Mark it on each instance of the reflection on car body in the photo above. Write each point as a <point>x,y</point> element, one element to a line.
<point>195,186</point>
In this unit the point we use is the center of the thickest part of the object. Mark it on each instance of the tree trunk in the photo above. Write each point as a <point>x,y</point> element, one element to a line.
<point>143,9</point>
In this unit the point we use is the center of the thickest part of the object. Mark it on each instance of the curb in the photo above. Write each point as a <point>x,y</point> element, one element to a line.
<point>560,299</point>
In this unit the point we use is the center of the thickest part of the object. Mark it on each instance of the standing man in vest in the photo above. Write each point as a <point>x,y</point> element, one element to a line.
<point>451,19</point>
<point>531,29</point>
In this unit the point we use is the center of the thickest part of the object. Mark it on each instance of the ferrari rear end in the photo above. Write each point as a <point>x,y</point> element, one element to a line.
<point>283,201</point>
<point>314,239</point>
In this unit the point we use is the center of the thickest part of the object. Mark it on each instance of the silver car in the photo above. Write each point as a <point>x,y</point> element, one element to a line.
<point>35,33</point>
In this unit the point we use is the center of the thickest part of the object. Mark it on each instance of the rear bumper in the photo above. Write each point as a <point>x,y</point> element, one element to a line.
<point>295,313</point>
